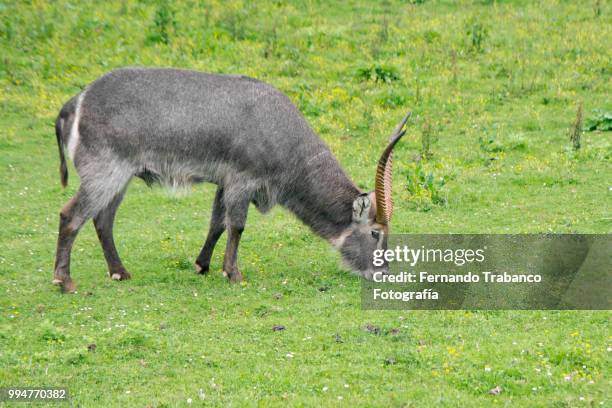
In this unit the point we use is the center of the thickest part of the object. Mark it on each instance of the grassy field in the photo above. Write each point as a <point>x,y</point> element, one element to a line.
<point>494,87</point>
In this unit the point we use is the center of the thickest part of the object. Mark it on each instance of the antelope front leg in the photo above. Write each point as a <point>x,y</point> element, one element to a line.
<point>235,219</point>
<point>104,228</point>
<point>217,226</point>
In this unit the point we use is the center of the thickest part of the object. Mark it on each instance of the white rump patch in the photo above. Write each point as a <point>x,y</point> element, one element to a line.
<point>73,142</point>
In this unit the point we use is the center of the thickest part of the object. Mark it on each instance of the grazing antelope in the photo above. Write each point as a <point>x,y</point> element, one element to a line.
<point>178,127</point>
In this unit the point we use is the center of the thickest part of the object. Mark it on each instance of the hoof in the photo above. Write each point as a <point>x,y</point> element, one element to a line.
<point>120,275</point>
<point>234,276</point>
<point>69,287</point>
<point>200,269</point>
<point>66,285</point>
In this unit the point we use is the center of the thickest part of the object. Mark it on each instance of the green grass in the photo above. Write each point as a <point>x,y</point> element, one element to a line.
<point>494,84</point>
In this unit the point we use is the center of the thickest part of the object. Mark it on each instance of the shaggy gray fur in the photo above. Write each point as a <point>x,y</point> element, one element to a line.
<point>178,127</point>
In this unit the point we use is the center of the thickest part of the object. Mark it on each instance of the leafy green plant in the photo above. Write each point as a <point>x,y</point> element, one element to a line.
<point>425,188</point>
<point>378,73</point>
<point>600,120</point>
<point>477,32</point>
<point>164,23</point>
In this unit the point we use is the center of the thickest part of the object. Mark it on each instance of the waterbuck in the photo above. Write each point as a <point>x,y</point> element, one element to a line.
<point>178,127</point>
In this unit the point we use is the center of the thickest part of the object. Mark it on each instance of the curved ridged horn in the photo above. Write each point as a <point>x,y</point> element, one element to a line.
<point>384,201</point>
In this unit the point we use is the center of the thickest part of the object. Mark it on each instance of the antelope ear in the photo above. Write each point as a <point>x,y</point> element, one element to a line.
<point>361,208</point>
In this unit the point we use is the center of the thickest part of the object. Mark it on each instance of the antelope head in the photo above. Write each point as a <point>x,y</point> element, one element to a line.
<point>372,213</point>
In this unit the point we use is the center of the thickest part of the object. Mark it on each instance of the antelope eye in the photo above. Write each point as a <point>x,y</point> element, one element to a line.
<point>375,234</point>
